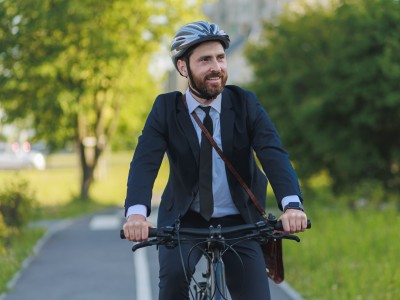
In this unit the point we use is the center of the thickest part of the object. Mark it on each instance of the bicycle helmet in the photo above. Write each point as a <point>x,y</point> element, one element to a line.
<point>195,33</point>
<point>187,38</point>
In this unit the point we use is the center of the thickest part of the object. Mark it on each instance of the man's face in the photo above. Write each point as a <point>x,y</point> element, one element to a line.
<point>209,68</point>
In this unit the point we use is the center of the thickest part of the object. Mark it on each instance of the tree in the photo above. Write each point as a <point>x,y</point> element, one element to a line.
<point>330,79</point>
<point>71,66</point>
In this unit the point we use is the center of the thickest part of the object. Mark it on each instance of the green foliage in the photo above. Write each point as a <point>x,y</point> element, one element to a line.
<point>74,62</point>
<point>80,70</point>
<point>4,230</point>
<point>17,207</point>
<point>17,204</point>
<point>329,78</point>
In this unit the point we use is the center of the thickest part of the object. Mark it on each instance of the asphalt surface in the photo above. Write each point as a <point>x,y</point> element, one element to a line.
<point>84,259</point>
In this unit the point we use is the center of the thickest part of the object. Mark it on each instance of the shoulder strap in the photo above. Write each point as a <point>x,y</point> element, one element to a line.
<point>227,162</point>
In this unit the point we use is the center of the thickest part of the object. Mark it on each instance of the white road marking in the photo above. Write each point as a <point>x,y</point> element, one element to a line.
<point>105,222</point>
<point>143,287</point>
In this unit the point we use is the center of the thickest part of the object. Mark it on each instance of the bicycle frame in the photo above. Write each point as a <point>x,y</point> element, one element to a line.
<point>215,285</point>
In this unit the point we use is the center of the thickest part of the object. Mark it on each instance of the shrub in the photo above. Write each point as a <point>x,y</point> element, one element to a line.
<point>329,78</point>
<point>4,230</point>
<point>17,204</point>
<point>5,233</point>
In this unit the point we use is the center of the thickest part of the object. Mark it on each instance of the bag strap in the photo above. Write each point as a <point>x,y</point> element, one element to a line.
<point>227,162</point>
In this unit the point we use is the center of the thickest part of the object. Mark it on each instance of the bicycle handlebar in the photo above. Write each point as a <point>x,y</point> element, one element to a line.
<point>216,231</point>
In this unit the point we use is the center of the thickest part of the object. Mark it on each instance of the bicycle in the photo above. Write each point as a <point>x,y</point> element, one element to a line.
<point>216,238</point>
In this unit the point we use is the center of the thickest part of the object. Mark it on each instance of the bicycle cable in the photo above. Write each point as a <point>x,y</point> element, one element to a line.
<point>204,252</point>
<point>230,247</point>
<point>227,247</point>
<point>182,260</point>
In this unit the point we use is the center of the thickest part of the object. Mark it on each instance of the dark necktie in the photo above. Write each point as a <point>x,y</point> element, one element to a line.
<point>205,170</point>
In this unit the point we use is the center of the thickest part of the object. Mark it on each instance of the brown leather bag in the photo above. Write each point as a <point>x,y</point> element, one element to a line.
<point>273,260</point>
<point>272,250</point>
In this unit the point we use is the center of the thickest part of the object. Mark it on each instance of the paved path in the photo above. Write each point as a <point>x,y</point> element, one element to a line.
<point>84,259</point>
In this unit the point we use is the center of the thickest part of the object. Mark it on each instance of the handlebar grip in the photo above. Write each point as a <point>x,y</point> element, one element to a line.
<point>278,226</point>
<point>152,233</point>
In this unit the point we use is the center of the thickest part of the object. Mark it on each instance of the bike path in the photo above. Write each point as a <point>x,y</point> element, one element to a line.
<point>84,259</point>
<point>78,263</point>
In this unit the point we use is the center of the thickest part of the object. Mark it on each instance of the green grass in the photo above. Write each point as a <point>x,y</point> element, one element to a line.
<point>346,255</point>
<point>15,251</point>
<point>58,185</point>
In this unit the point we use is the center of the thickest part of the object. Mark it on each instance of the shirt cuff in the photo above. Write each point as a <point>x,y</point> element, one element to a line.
<point>137,209</point>
<point>291,198</point>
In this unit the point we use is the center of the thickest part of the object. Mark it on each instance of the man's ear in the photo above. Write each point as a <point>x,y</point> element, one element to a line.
<point>181,64</point>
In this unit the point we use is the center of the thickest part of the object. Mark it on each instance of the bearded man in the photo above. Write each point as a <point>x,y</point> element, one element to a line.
<point>201,191</point>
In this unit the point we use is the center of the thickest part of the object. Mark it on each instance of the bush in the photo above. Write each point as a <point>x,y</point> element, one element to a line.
<point>6,234</point>
<point>4,230</point>
<point>17,204</point>
<point>329,78</point>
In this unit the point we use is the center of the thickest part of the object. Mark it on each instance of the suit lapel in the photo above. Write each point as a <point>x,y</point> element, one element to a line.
<point>187,126</point>
<point>227,122</point>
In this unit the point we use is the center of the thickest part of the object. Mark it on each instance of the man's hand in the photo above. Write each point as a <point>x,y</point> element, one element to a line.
<point>136,228</point>
<point>293,220</point>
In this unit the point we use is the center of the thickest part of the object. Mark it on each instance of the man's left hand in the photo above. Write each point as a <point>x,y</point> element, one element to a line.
<point>293,221</point>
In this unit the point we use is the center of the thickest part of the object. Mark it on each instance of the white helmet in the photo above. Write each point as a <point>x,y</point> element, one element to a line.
<point>195,33</point>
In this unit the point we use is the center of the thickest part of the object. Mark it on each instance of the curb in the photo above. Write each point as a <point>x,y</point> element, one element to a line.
<point>52,228</point>
<point>289,291</point>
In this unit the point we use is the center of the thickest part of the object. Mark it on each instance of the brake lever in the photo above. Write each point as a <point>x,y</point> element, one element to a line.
<point>286,236</point>
<point>144,244</point>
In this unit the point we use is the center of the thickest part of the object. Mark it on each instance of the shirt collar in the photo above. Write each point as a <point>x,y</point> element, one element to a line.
<point>193,103</point>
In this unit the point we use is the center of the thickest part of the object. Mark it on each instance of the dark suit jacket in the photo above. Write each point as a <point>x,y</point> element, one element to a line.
<point>245,129</point>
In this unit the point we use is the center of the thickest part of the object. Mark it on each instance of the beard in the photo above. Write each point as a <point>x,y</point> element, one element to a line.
<point>209,90</point>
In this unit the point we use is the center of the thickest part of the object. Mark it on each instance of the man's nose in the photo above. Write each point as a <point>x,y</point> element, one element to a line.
<point>215,65</point>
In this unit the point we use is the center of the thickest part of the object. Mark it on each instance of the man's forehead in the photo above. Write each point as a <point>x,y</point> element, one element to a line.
<point>209,48</point>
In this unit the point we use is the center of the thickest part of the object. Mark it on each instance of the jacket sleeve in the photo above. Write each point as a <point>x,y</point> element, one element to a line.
<point>268,147</point>
<point>147,158</point>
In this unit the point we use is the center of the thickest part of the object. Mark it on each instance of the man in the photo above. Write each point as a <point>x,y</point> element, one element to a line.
<point>240,127</point>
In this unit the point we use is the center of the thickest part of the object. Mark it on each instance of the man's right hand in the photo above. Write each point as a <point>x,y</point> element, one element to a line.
<point>136,228</point>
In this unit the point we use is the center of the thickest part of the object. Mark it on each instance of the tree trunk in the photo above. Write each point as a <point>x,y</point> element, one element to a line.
<point>89,154</point>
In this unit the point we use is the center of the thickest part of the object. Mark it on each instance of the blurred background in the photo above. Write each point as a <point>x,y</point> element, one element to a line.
<point>78,78</point>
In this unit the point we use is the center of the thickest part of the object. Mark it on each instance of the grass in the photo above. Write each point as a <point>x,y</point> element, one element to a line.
<point>59,183</point>
<point>346,255</point>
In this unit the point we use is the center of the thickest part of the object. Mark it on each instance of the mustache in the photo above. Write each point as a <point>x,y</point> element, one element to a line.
<point>215,74</point>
